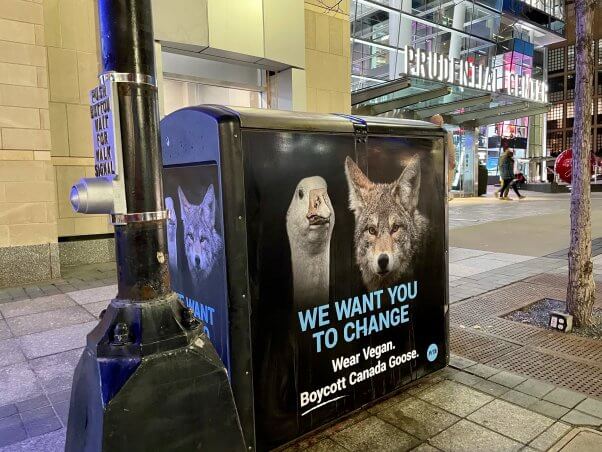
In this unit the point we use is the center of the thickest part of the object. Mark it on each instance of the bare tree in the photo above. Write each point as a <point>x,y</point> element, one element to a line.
<point>581,286</point>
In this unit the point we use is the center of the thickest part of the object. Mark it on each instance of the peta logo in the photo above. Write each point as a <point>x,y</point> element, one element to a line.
<point>432,352</point>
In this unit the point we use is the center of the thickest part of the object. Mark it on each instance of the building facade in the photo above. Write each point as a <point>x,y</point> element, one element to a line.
<point>494,80</point>
<point>286,54</point>
<point>561,79</point>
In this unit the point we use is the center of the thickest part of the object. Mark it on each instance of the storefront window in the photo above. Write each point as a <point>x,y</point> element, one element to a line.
<point>570,58</point>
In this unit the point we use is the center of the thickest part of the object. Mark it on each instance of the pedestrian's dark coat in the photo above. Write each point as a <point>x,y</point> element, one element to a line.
<point>506,166</point>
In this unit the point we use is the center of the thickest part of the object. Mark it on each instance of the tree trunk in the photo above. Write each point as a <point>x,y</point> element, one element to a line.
<point>581,286</point>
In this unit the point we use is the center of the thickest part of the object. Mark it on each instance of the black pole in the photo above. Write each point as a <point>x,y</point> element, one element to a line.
<point>127,46</point>
<point>148,379</point>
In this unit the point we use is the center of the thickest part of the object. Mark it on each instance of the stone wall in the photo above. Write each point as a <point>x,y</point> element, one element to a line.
<point>327,57</point>
<point>28,230</point>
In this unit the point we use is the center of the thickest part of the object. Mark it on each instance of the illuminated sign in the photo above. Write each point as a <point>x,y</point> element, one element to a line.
<point>462,72</point>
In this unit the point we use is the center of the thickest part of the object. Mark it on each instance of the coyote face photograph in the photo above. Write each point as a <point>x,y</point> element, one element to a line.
<point>202,243</point>
<point>388,226</point>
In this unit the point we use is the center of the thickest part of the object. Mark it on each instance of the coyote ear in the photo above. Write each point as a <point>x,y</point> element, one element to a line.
<point>183,202</point>
<point>358,183</point>
<point>208,205</point>
<point>407,188</point>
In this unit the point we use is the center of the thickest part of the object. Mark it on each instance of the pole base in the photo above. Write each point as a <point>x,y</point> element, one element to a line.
<point>149,379</point>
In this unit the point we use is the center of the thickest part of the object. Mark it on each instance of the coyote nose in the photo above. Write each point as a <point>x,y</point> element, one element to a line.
<point>197,261</point>
<point>383,262</point>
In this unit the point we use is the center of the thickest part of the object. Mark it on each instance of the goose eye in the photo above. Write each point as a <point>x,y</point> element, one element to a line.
<point>372,230</point>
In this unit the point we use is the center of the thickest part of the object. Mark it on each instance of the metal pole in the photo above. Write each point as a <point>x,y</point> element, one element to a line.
<point>148,378</point>
<point>126,36</point>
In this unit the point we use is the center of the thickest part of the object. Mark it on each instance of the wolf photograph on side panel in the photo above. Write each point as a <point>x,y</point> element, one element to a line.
<point>202,243</point>
<point>309,225</point>
<point>389,229</point>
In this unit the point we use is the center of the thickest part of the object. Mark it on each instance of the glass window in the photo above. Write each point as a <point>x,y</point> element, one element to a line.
<point>570,58</point>
<point>556,60</point>
<point>555,117</point>
<point>599,52</point>
<point>570,87</point>
<point>556,89</point>
<point>598,143</point>
<point>554,142</point>
<point>570,114</point>
<point>569,139</point>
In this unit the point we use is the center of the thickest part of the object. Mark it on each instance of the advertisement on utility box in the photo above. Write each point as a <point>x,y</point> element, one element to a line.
<point>347,272</point>
<point>195,246</point>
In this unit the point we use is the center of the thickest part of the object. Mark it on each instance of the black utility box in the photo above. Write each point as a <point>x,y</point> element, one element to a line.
<point>314,249</point>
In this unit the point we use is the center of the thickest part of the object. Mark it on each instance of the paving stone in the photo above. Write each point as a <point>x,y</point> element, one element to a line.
<point>470,437</point>
<point>5,332</point>
<point>460,362</point>
<point>40,421</point>
<point>507,379</point>
<point>482,370</point>
<point>50,442</point>
<point>60,396</point>
<point>425,447</point>
<point>591,406</point>
<point>549,409</point>
<point>18,382</point>
<point>491,388</point>
<point>513,421</point>
<point>94,295</point>
<point>96,308</point>
<point>533,387</point>
<point>42,304</point>
<point>548,438</point>
<point>55,372</point>
<point>586,440</point>
<point>576,417</point>
<point>55,341</point>
<point>564,397</point>
<point>11,430</point>
<point>377,408</point>
<point>325,445</point>
<point>10,352</point>
<point>418,418</point>
<point>49,320</point>
<point>454,397</point>
<point>374,434</point>
<point>62,410</point>
<point>466,378</point>
<point>8,410</point>
<point>31,404</point>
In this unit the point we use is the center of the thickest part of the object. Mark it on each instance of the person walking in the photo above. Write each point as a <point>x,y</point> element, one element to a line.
<point>506,166</point>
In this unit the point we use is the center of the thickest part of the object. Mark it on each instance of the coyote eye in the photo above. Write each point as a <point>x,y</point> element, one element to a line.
<point>203,239</point>
<point>189,236</point>
<point>394,229</point>
<point>372,230</point>
<point>301,193</point>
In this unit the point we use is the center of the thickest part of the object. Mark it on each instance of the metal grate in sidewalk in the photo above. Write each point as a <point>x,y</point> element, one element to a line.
<point>577,376</point>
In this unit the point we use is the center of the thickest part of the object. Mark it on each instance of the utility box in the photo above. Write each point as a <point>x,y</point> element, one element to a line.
<point>314,249</point>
